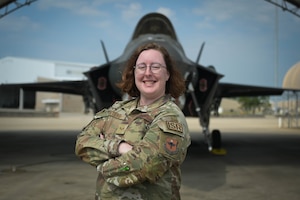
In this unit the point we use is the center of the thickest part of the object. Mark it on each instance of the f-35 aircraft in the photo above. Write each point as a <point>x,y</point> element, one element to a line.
<point>203,95</point>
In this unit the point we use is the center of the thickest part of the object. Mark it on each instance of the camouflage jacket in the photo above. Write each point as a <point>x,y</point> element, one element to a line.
<point>151,170</point>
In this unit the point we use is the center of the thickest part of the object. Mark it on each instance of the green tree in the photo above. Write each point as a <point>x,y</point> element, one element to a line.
<point>251,104</point>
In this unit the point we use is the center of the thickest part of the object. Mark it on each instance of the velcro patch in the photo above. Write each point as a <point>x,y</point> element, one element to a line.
<point>171,145</point>
<point>121,129</point>
<point>175,126</point>
<point>116,115</point>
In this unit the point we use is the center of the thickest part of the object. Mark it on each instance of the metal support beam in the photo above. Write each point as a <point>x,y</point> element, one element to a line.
<point>291,6</point>
<point>7,7</point>
<point>21,99</point>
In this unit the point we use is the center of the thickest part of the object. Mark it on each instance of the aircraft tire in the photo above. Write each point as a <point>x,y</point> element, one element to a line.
<point>216,139</point>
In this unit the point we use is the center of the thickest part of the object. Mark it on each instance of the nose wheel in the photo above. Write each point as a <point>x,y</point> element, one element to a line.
<point>216,139</point>
<point>216,142</point>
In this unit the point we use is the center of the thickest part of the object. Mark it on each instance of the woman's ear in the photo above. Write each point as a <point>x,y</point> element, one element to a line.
<point>168,76</point>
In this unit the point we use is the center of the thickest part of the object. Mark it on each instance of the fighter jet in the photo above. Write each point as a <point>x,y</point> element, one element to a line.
<point>203,94</point>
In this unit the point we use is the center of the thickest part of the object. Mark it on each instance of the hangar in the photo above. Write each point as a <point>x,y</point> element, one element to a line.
<point>42,71</point>
<point>290,104</point>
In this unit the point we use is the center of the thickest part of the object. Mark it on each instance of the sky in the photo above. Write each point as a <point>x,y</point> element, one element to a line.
<point>249,42</point>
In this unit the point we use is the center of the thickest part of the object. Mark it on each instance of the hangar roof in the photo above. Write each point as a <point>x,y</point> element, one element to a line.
<point>8,6</point>
<point>11,5</point>
<point>5,2</point>
<point>291,6</point>
<point>294,2</point>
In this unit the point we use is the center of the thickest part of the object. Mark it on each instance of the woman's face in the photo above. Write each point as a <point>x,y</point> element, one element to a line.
<point>151,81</point>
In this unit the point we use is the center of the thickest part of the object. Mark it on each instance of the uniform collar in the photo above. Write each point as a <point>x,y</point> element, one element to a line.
<point>159,102</point>
<point>133,105</point>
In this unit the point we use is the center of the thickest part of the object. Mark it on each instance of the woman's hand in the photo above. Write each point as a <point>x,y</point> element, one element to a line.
<point>124,147</point>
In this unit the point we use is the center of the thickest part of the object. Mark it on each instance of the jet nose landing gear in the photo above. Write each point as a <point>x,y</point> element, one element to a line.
<point>216,143</point>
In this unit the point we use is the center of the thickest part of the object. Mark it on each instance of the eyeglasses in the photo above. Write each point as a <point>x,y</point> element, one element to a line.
<point>154,68</point>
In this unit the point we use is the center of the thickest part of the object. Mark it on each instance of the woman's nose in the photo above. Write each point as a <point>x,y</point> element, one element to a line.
<point>148,70</point>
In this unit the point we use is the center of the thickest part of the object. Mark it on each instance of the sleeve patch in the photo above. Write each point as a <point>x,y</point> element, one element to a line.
<point>171,146</point>
<point>174,126</point>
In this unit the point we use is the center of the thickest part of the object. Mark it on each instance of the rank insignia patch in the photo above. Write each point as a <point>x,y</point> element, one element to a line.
<point>171,145</point>
<point>121,129</point>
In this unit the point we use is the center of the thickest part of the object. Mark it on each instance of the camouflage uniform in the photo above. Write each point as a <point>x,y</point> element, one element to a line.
<point>151,170</point>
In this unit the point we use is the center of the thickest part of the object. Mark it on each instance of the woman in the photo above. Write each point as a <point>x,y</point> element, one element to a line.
<point>138,145</point>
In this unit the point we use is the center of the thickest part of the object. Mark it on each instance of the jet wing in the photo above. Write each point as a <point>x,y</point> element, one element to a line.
<point>11,93</point>
<point>236,90</point>
<point>70,87</point>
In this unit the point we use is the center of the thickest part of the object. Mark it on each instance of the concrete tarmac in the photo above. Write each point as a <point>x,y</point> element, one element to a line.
<point>37,161</point>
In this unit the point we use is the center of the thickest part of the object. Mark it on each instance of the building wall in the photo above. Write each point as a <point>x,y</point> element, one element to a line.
<point>72,103</point>
<point>24,70</point>
<point>67,102</point>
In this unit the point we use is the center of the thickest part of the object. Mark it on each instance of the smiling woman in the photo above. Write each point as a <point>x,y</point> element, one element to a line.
<point>138,145</point>
<point>151,85</point>
<point>147,55</point>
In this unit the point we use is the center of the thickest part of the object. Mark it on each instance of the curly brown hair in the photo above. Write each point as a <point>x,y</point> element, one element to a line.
<point>175,86</point>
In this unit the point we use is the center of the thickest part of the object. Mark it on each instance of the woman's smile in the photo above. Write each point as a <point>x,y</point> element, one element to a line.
<point>152,85</point>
